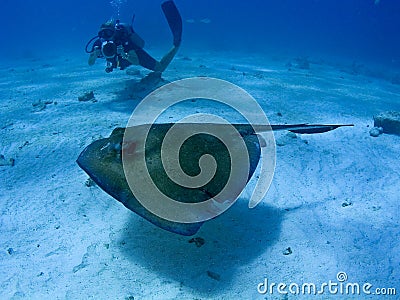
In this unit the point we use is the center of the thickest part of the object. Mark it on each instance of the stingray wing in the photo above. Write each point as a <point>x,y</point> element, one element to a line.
<point>102,161</point>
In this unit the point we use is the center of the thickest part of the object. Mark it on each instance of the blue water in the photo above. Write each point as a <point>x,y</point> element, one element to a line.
<point>351,29</point>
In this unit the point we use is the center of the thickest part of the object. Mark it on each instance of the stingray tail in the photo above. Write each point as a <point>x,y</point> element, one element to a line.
<point>300,128</point>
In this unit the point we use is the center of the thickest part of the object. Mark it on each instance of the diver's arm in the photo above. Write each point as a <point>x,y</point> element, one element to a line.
<point>94,55</point>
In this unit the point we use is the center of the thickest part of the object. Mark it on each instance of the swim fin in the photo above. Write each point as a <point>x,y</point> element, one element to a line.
<point>174,20</point>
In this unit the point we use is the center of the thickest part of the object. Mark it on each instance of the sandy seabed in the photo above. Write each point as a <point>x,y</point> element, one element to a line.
<point>334,199</point>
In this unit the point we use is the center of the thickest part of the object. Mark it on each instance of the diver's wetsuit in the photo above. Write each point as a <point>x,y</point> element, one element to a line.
<point>123,37</point>
<point>121,46</point>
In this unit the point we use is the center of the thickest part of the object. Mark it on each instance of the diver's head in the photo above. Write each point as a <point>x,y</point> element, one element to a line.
<point>109,49</point>
<point>107,30</point>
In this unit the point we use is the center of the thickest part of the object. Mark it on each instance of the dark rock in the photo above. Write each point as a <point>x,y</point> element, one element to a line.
<point>89,96</point>
<point>39,105</point>
<point>7,124</point>
<point>4,162</point>
<point>287,251</point>
<point>347,203</point>
<point>90,182</point>
<point>25,144</point>
<point>198,241</point>
<point>376,131</point>
<point>213,275</point>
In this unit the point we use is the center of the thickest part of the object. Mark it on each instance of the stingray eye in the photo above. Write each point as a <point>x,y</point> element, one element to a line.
<point>192,170</point>
<point>118,147</point>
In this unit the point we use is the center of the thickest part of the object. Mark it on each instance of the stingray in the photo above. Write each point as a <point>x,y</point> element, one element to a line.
<point>102,161</point>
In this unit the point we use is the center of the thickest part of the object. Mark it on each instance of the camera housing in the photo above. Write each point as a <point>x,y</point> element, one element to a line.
<point>109,49</point>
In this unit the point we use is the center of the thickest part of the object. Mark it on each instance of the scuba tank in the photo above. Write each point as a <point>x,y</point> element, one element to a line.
<point>132,35</point>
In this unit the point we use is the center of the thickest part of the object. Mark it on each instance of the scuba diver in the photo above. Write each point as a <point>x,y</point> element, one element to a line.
<point>121,46</point>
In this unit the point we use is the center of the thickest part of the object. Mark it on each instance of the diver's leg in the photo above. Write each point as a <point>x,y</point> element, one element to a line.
<point>145,60</point>
<point>174,20</point>
<point>175,23</point>
<point>166,60</point>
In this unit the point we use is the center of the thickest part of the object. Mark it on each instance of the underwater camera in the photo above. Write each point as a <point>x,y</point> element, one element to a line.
<point>109,49</point>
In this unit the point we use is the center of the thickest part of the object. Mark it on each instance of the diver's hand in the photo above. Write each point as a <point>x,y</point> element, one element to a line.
<point>93,56</point>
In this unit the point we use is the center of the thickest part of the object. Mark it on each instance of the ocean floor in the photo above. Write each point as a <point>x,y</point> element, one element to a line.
<point>333,205</point>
